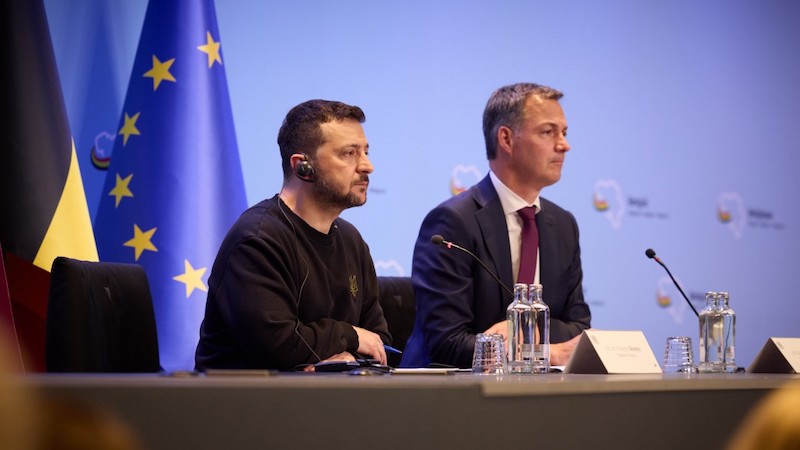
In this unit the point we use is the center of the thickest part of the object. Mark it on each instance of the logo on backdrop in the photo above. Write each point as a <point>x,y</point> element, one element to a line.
<point>463,177</point>
<point>389,268</point>
<point>668,297</point>
<point>608,199</point>
<point>102,149</point>
<point>732,213</point>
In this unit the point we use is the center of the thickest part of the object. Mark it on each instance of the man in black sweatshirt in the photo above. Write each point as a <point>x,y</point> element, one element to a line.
<point>293,283</point>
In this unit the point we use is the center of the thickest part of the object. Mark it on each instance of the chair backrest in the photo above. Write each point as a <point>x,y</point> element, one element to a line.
<point>396,295</point>
<point>100,319</point>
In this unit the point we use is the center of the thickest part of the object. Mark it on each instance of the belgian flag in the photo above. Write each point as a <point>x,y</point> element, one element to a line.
<point>43,210</point>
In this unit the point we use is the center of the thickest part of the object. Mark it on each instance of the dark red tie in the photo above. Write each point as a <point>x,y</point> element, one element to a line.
<point>530,245</point>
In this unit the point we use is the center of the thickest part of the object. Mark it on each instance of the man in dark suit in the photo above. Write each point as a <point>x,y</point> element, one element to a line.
<point>525,131</point>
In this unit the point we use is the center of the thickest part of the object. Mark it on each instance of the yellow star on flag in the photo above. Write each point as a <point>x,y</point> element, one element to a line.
<point>211,48</point>
<point>141,241</point>
<point>129,128</point>
<point>192,278</point>
<point>160,71</point>
<point>121,189</point>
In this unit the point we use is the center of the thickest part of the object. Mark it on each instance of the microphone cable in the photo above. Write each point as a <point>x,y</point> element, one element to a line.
<point>437,239</point>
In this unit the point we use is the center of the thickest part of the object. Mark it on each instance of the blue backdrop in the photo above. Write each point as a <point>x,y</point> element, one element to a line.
<point>683,121</point>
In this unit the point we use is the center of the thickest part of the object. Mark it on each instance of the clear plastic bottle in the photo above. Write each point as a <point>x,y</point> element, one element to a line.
<point>541,344</point>
<point>520,331</point>
<point>711,358</point>
<point>728,333</point>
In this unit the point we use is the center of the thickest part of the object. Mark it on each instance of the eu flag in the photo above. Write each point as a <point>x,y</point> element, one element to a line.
<point>174,185</point>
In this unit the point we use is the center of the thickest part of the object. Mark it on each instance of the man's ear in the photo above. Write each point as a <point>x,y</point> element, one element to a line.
<point>302,167</point>
<point>505,139</point>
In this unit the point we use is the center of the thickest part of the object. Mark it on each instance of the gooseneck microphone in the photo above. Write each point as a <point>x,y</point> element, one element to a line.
<point>437,239</point>
<point>652,255</point>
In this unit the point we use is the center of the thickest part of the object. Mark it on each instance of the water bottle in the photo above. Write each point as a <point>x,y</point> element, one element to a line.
<point>541,344</point>
<point>520,331</point>
<point>711,359</point>
<point>728,333</point>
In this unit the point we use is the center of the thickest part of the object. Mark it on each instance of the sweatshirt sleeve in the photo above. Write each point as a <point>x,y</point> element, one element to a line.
<point>372,317</point>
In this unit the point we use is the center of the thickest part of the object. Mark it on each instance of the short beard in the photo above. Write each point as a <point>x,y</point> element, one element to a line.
<point>329,194</point>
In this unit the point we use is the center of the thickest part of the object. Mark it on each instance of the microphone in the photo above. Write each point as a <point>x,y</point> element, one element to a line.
<point>650,253</point>
<point>437,239</point>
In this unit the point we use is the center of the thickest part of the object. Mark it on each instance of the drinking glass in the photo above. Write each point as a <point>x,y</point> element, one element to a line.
<point>678,356</point>
<point>489,356</point>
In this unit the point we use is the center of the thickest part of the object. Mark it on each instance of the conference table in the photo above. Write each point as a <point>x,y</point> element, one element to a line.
<point>257,410</point>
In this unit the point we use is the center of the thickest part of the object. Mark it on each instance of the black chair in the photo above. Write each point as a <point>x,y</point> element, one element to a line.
<point>100,319</point>
<point>396,295</point>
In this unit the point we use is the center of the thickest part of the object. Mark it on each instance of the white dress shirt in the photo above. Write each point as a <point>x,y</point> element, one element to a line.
<point>511,204</point>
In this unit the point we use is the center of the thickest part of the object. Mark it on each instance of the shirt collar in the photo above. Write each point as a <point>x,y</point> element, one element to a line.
<point>510,201</point>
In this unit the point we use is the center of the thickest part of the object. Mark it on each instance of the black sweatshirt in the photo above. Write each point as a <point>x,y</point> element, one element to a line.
<point>281,291</point>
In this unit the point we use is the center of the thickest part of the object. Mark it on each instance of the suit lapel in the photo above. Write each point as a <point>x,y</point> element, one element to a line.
<point>492,222</point>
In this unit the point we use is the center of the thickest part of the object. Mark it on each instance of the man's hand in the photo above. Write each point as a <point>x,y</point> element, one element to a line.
<point>560,353</point>
<point>499,328</point>
<point>370,344</point>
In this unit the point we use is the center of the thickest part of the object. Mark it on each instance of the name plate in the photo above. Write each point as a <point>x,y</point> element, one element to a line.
<point>778,355</point>
<point>612,352</point>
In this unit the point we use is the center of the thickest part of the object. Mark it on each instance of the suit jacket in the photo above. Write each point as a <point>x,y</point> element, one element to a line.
<point>456,298</point>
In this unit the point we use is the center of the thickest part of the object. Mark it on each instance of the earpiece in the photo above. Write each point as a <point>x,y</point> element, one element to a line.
<point>304,170</point>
